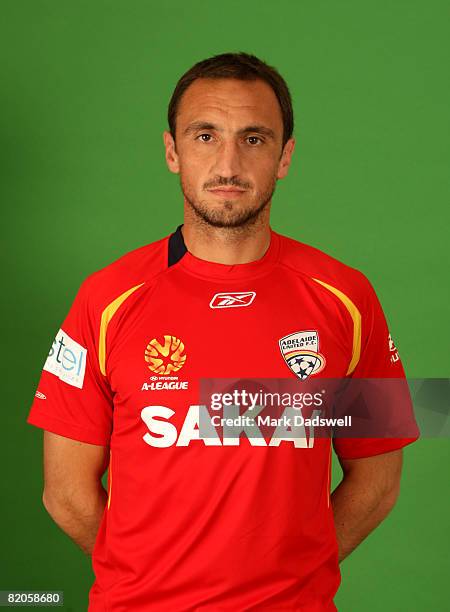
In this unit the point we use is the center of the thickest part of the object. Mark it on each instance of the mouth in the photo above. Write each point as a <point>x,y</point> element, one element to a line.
<point>227,193</point>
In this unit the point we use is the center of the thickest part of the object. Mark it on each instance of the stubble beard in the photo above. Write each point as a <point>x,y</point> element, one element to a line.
<point>230,214</point>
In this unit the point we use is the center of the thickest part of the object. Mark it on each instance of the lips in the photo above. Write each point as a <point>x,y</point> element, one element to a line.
<point>227,192</point>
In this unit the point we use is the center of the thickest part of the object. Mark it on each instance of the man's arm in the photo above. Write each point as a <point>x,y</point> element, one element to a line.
<point>73,492</point>
<point>365,496</point>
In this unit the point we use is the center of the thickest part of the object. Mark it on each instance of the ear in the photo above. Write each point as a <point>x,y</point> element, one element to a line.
<point>285,159</point>
<point>171,154</point>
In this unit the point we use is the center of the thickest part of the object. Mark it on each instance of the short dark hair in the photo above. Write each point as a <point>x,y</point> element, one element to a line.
<point>241,66</point>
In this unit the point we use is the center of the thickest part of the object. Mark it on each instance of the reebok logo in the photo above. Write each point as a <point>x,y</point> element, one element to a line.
<point>232,300</point>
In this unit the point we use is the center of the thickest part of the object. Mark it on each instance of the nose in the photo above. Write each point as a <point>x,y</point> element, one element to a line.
<point>227,160</point>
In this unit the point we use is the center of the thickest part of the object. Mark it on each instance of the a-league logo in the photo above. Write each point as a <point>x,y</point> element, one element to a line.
<point>167,357</point>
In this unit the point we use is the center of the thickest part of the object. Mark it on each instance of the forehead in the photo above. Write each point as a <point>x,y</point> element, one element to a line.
<point>230,100</point>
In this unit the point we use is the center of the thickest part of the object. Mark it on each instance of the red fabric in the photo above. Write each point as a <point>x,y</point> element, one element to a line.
<point>209,526</point>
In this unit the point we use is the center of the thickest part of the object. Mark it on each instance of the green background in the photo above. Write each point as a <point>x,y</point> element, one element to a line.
<point>85,88</point>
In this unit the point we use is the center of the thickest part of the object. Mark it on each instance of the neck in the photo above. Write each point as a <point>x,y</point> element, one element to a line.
<point>226,245</point>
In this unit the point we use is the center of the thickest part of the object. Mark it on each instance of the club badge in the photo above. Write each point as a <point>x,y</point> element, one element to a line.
<point>300,351</point>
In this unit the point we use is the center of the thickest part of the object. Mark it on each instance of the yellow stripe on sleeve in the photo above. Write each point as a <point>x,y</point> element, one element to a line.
<point>356,318</point>
<point>107,315</point>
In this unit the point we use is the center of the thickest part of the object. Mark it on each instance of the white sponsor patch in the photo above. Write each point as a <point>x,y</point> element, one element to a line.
<point>67,360</point>
<point>393,349</point>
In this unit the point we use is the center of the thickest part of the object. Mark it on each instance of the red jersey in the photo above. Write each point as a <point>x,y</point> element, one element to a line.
<point>193,523</point>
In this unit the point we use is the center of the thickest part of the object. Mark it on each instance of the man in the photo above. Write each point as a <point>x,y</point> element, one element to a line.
<point>213,522</point>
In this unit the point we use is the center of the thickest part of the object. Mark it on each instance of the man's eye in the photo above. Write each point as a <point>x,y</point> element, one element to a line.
<point>254,138</point>
<point>202,135</point>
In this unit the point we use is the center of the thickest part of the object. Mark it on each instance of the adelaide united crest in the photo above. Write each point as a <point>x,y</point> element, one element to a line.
<point>300,351</point>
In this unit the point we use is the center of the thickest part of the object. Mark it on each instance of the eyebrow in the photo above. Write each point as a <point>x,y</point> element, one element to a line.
<point>206,125</point>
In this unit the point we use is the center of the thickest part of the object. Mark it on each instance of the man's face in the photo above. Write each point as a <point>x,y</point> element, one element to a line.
<point>228,149</point>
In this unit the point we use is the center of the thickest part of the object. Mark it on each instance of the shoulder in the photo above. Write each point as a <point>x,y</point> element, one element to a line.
<point>328,271</point>
<point>139,267</point>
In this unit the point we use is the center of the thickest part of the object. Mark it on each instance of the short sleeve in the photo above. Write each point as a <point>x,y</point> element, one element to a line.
<point>73,398</point>
<point>380,359</point>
